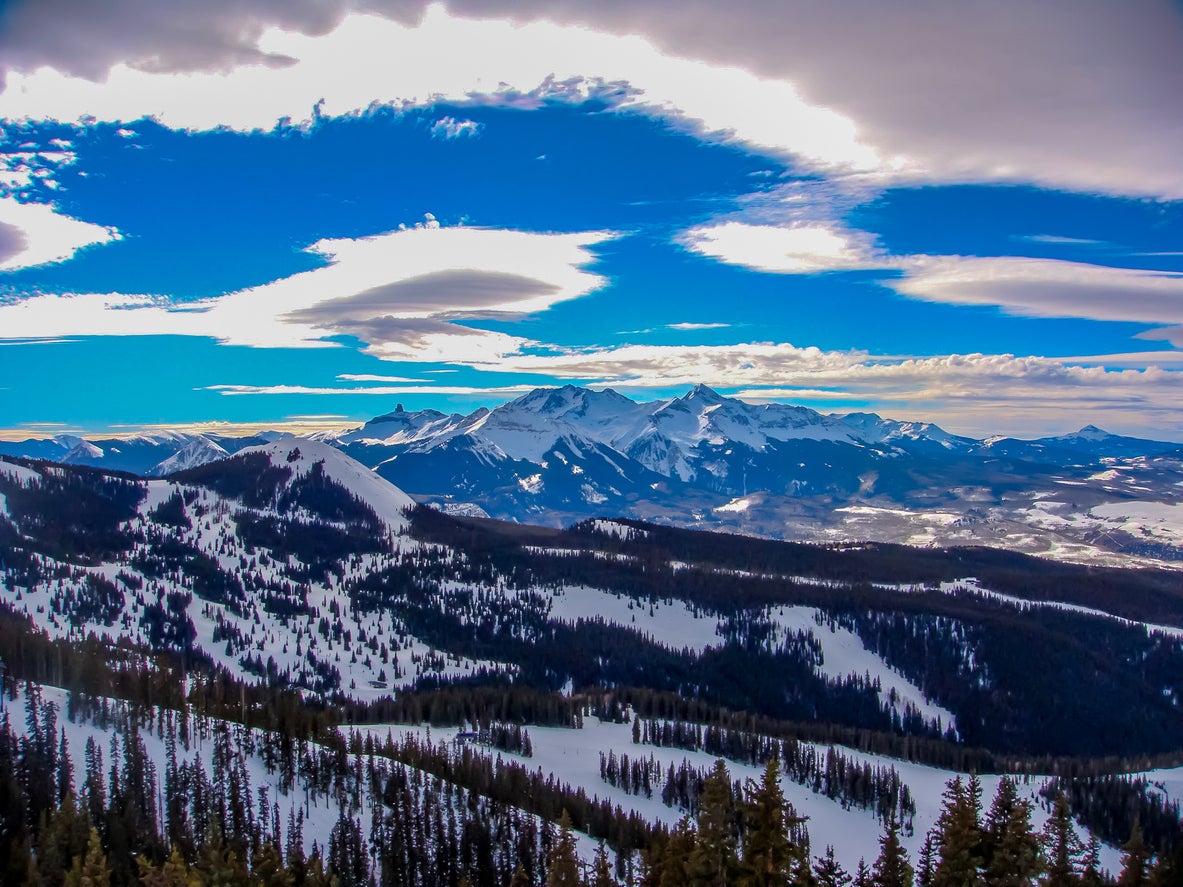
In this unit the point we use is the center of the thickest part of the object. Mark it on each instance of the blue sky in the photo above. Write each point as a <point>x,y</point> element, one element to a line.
<point>272,221</point>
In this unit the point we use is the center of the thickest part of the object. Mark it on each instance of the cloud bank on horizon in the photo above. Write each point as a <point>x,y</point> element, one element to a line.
<point>967,214</point>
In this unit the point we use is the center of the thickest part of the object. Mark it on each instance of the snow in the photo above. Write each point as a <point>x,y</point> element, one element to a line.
<point>617,530</point>
<point>843,654</point>
<point>19,473</point>
<point>1160,520</point>
<point>971,585</point>
<point>300,454</point>
<point>672,624</point>
<point>573,755</point>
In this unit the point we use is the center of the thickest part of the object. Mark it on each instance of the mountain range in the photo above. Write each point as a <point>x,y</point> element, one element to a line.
<point>560,455</point>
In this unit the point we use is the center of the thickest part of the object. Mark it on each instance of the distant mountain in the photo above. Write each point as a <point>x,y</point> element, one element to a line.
<point>151,455</point>
<point>704,460</point>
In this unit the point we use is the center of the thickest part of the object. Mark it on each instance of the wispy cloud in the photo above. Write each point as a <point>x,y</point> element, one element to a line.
<point>697,326</point>
<point>378,391</point>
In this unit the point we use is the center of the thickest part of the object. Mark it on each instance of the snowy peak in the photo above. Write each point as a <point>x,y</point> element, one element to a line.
<point>198,451</point>
<point>303,457</point>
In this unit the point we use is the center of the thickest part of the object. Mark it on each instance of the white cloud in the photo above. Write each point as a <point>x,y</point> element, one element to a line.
<point>451,128</point>
<point>368,377</point>
<point>369,59</point>
<point>36,234</point>
<point>969,393</point>
<point>1045,287</point>
<point>400,293</point>
<point>795,249</point>
<point>383,391</point>
<point>683,327</point>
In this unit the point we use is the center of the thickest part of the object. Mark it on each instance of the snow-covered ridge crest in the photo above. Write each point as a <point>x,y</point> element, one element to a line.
<point>299,455</point>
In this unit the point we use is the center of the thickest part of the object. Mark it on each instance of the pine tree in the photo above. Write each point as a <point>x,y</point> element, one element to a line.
<point>1090,875</point>
<point>959,837</point>
<point>828,872</point>
<point>767,851</point>
<point>1135,860</point>
<point>715,860</point>
<point>602,869</point>
<point>862,875</point>
<point>91,871</point>
<point>892,868</point>
<point>563,869</point>
<point>1061,846</point>
<point>172,873</point>
<point>1012,849</point>
<point>927,861</point>
<point>674,869</point>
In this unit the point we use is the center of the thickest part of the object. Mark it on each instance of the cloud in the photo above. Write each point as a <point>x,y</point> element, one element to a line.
<point>36,234</point>
<point>1024,286</point>
<point>1059,240</point>
<point>1045,287</point>
<point>451,128</point>
<point>1073,94</point>
<point>401,293</point>
<point>369,377</point>
<point>382,391</point>
<point>794,249</point>
<point>697,326</point>
<point>970,393</point>
<point>368,59</point>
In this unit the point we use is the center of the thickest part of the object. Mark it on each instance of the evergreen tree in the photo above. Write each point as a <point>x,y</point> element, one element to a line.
<point>927,861</point>
<point>862,875</point>
<point>674,868</point>
<point>1135,860</point>
<point>1011,847</point>
<point>892,868</point>
<point>715,860</point>
<point>959,837</point>
<point>767,850</point>
<point>828,872</point>
<point>563,869</point>
<point>1090,875</point>
<point>91,870</point>
<point>172,873</point>
<point>602,869</point>
<point>1061,846</point>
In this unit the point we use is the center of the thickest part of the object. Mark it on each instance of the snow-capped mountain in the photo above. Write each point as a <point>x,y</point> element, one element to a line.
<point>560,455</point>
<point>151,455</point>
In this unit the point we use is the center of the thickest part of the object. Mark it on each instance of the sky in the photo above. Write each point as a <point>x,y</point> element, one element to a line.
<point>295,214</point>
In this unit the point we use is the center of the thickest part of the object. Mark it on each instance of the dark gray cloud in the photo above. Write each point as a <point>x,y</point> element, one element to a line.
<point>373,315</point>
<point>1082,94</point>
<point>12,242</point>
<point>87,37</point>
<point>453,292</point>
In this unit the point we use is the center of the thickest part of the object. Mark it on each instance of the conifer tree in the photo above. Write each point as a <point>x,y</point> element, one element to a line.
<point>602,869</point>
<point>892,868</point>
<point>1061,846</point>
<point>767,851</point>
<point>674,869</point>
<point>563,869</point>
<point>1011,847</point>
<point>927,861</point>
<point>1090,875</point>
<point>1135,860</point>
<point>828,872</point>
<point>959,837</point>
<point>862,875</point>
<point>91,870</point>
<point>715,860</point>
